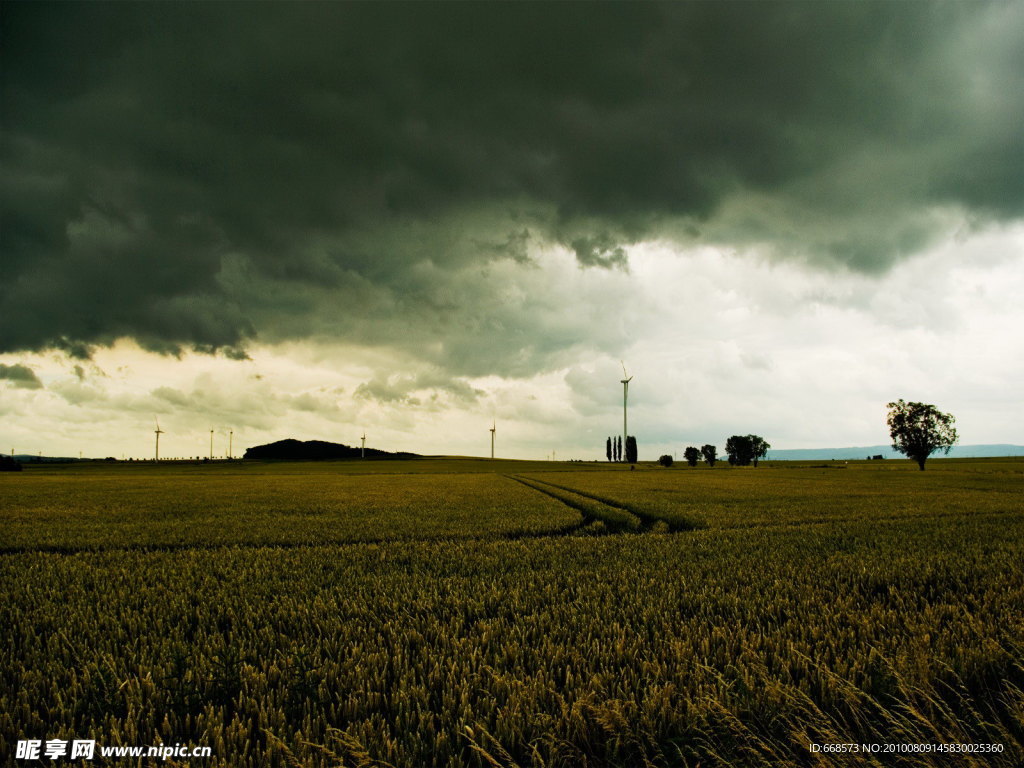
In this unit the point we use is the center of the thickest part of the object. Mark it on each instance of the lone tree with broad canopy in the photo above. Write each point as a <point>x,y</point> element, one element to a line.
<point>759,446</point>
<point>739,449</point>
<point>710,454</point>
<point>692,455</point>
<point>919,429</point>
<point>743,449</point>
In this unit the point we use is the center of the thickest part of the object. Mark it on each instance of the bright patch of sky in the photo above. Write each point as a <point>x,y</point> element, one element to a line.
<point>719,343</point>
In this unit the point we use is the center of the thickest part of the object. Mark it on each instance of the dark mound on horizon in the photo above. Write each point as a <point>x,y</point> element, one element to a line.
<point>317,450</point>
<point>8,464</point>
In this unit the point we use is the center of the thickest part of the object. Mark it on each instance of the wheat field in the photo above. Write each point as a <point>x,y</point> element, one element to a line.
<point>468,613</point>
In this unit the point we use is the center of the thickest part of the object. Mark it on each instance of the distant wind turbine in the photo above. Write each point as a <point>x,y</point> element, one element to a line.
<point>231,443</point>
<point>494,427</point>
<point>362,449</point>
<point>158,433</point>
<point>626,378</point>
<point>211,445</point>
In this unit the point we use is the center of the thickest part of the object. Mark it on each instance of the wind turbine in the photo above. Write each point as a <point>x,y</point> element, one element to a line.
<point>211,445</point>
<point>158,433</point>
<point>494,427</point>
<point>362,449</point>
<point>626,378</point>
<point>231,441</point>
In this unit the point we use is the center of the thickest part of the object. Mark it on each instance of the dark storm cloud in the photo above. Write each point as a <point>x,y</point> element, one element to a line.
<point>599,251</point>
<point>20,376</point>
<point>203,175</point>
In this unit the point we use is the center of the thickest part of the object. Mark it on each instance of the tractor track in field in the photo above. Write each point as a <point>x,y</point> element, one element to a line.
<point>614,516</point>
<point>647,520</point>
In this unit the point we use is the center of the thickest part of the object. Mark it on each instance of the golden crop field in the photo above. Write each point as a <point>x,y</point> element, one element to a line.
<point>533,615</point>
<point>808,492</point>
<point>196,505</point>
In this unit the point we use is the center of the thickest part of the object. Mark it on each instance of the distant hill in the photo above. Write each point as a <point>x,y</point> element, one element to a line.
<point>317,450</point>
<point>8,464</point>
<point>862,452</point>
<point>34,458</point>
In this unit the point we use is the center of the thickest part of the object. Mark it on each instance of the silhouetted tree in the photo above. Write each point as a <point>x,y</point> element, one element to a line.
<point>665,460</point>
<point>608,448</point>
<point>743,449</point>
<point>631,450</point>
<point>919,429</point>
<point>759,446</point>
<point>692,455</point>
<point>710,453</point>
<point>618,448</point>
<point>739,450</point>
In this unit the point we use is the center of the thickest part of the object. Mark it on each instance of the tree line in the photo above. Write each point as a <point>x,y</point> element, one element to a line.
<point>613,449</point>
<point>917,430</point>
<point>741,450</point>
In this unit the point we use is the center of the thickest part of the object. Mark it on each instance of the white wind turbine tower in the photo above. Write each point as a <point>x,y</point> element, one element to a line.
<point>494,427</point>
<point>158,433</point>
<point>362,449</point>
<point>626,378</point>
<point>231,441</point>
<point>211,445</point>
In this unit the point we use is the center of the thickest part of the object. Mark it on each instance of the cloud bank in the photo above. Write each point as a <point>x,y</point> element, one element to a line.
<point>209,177</point>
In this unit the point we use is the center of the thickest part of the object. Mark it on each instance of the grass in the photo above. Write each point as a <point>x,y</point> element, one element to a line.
<point>804,492</point>
<point>408,621</point>
<point>173,506</point>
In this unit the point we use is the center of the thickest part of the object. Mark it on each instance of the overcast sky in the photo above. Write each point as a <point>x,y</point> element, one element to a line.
<point>310,220</point>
